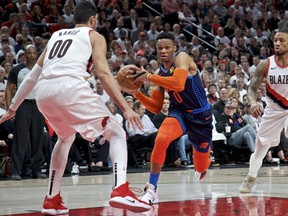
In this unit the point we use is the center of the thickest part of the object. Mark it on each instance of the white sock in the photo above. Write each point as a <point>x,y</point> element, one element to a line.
<point>257,157</point>
<point>118,154</point>
<point>58,163</point>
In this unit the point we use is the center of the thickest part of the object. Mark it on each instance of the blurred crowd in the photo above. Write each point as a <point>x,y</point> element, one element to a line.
<point>226,38</point>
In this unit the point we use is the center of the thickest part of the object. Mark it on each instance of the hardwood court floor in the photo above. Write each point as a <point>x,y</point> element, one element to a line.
<point>179,193</point>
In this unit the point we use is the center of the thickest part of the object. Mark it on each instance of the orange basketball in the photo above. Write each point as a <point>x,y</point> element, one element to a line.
<point>126,83</point>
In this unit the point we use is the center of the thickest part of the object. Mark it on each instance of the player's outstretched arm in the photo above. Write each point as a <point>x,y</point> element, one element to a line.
<point>109,83</point>
<point>28,83</point>
<point>25,88</point>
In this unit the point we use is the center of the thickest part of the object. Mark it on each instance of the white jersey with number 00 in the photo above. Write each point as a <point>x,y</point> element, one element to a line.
<point>68,54</point>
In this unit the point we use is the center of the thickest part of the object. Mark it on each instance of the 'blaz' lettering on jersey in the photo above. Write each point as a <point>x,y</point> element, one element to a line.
<point>281,79</point>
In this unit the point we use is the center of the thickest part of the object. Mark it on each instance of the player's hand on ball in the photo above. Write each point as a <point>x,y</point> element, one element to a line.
<point>126,83</point>
<point>139,75</point>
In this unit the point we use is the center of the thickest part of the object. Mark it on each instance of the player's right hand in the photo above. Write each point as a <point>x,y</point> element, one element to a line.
<point>8,115</point>
<point>256,110</point>
<point>133,119</point>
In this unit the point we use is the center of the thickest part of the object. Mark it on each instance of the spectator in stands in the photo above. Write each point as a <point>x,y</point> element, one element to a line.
<point>253,47</point>
<point>59,25</point>
<point>153,33</point>
<point>29,122</point>
<point>176,31</point>
<point>130,100</point>
<point>186,17</point>
<point>5,31</point>
<point>68,15</point>
<point>100,91</point>
<point>259,98</point>
<point>53,15</point>
<point>145,136</point>
<point>113,109</point>
<point>215,26</point>
<point>12,24</point>
<point>205,29</point>
<point>119,28</point>
<point>229,28</point>
<point>212,96</point>
<point>221,38</point>
<point>220,104</point>
<point>240,86</point>
<point>7,65</point>
<point>240,134</point>
<point>220,9</point>
<point>148,53</point>
<point>135,34</point>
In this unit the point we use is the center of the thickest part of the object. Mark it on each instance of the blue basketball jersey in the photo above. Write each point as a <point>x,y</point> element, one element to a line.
<point>193,97</point>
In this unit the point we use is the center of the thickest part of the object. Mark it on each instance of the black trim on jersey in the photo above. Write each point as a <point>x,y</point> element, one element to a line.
<point>276,100</point>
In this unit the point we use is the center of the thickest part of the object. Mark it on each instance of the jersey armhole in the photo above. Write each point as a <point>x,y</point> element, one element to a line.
<point>267,69</point>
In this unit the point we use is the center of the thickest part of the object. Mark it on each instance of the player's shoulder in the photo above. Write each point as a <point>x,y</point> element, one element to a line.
<point>181,54</point>
<point>94,35</point>
<point>264,64</point>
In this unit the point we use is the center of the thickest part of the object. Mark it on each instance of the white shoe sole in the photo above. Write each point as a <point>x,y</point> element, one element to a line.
<point>54,211</point>
<point>129,203</point>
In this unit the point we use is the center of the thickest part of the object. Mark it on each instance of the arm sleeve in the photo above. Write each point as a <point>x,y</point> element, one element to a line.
<point>153,104</point>
<point>26,86</point>
<point>175,82</point>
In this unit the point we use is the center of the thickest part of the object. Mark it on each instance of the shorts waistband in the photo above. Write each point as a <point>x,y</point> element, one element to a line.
<point>199,110</point>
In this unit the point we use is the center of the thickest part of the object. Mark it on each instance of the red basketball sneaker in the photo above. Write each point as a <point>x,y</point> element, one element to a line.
<point>123,197</point>
<point>54,206</point>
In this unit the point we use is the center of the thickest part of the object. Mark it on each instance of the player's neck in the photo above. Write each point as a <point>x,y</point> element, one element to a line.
<point>81,25</point>
<point>282,60</point>
<point>167,64</point>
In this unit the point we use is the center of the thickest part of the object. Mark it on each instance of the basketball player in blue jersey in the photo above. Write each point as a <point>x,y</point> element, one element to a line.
<point>274,71</point>
<point>65,98</point>
<point>189,110</point>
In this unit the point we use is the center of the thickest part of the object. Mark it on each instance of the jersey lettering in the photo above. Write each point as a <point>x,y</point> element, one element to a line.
<point>177,97</point>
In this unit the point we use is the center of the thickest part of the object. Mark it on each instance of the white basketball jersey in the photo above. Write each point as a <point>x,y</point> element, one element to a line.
<point>68,53</point>
<point>277,83</point>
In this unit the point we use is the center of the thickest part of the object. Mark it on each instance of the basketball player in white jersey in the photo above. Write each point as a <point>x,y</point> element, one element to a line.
<point>70,105</point>
<point>274,70</point>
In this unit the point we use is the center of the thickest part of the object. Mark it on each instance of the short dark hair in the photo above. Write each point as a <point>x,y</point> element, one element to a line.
<point>166,35</point>
<point>136,105</point>
<point>83,11</point>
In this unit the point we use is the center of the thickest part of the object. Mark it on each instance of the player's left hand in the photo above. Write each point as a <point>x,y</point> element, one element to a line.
<point>8,115</point>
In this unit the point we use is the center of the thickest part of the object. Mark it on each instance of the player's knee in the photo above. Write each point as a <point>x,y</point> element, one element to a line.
<point>201,160</point>
<point>116,130</point>
<point>67,139</point>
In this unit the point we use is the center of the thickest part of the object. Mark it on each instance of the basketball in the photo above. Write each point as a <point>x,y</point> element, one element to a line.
<point>125,83</point>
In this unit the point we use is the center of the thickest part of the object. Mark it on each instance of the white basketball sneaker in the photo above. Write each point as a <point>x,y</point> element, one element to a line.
<point>123,197</point>
<point>200,176</point>
<point>150,197</point>
<point>248,183</point>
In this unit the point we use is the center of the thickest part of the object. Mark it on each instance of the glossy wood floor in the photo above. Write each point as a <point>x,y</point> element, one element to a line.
<point>179,193</point>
